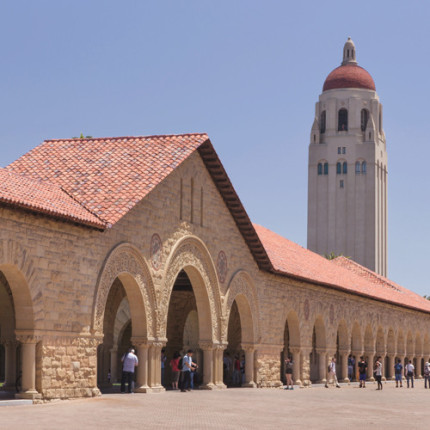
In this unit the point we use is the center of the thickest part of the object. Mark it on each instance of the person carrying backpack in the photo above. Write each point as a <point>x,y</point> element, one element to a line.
<point>398,370</point>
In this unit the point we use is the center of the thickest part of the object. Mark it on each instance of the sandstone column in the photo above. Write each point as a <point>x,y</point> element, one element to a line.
<point>113,365</point>
<point>249,366</point>
<point>390,369</point>
<point>142,369</point>
<point>344,357</point>
<point>155,366</point>
<point>296,366</point>
<point>322,365</point>
<point>218,365</point>
<point>419,369</point>
<point>10,364</point>
<point>370,363</point>
<point>208,365</point>
<point>28,381</point>
<point>306,366</point>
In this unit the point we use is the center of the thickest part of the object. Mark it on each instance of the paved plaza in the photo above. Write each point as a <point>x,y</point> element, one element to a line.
<point>347,408</point>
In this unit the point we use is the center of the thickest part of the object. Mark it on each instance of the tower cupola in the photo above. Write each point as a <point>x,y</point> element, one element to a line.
<point>349,53</point>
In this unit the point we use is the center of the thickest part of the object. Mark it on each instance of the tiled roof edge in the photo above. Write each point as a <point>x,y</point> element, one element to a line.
<point>234,205</point>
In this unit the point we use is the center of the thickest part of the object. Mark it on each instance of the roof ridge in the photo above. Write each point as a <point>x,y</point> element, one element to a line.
<point>125,137</point>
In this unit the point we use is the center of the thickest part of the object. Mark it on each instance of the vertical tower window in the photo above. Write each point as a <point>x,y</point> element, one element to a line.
<point>322,122</point>
<point>343,150</point>
<point>342,123</point>
<point>364,119</point>
<point>325,168</point>
<point>339,150</point>
<point>363,167</point>
<point>357,168</point>
<point>338,168</point>
<point>320,169</point>
<point>345,168</point>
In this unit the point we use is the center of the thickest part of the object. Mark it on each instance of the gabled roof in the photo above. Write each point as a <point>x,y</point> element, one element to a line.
<point>43,197</point>
<point>109,176</point>
<point>292,260</point>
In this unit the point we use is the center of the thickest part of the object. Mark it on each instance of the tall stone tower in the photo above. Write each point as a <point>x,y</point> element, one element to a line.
<point>347,189</point>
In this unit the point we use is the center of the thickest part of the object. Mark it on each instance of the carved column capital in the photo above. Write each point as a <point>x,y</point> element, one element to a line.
<point>248,347</point>
<point>28,338</point>
<point>206,345</point>
<point>295,350</point>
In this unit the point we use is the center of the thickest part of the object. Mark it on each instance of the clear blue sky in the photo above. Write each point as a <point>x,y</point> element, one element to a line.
<point>246,72</point>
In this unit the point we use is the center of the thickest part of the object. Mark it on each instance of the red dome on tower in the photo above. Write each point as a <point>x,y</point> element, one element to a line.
<point>349,74</point>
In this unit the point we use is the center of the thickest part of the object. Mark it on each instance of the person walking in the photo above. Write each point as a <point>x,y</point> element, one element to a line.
<point>187,366</point>
<point>426,374</point>
<point>129,364</point>
<point>362,369</point>
<point>409,370</point>
<point>174,364</point>
<point>398,371</point>
<point>332,373</point>
<point>378,372</point>
<point>289,373</point>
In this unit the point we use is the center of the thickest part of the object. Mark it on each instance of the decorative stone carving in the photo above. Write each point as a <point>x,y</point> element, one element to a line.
<point>221,266</point>
<point>190,252</point>
<point>306,309</point>
<point>156,251</point>
<point>125,258</point>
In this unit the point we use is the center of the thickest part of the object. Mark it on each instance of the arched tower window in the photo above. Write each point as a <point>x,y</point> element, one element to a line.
<point>342,123</point>
<point>322,122</point>
<point>364,119</point>
<point>320,168</point>
<point>345,168</point>
<point>363,167</point>
<point>325,168</point>
<point>338,168</point>
<point>357,168</point>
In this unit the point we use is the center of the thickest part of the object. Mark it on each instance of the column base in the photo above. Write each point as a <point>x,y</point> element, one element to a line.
<point>210,386</point>
<point>298,382</point>
<point>346,380</point>
<point>156,389</point>
<point>307,383</point>
<point>323,381</point>
<point>220,386</point>
<point>383,379</point>
<point>371,379</point>
<point>251,384</point>
<point>28,395</point>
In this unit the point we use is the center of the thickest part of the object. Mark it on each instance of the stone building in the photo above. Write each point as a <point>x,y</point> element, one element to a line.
<point>112,242</point>
<point>347,193</point>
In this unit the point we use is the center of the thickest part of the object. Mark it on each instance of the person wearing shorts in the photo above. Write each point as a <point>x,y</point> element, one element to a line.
<point>398,370</point>
<point>174,364</point>
<point>362,367</point>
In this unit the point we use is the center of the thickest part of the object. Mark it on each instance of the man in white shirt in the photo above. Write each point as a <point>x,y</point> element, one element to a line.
<point>129,363</point>
<point>187,366</point>
<point>409,370</point>
<point>332,373</point>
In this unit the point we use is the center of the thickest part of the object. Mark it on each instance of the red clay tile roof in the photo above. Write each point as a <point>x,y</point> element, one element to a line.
<point>35,195</point>
<point>349,76</point>
<point>291,259</point>
<point>108,176</point>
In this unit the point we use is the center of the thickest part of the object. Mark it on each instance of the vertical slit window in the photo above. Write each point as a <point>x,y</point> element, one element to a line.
<point>363,167</point>
<point>320,167</point>
<point>325,168</point>
<point>357,168</point>
<point>322,122</point>
<point>364,119</point>
<point>345,168</point>
<point>338,168</point>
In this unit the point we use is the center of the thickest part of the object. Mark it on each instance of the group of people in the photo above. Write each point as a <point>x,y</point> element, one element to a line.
<point>183,371</point>
<point>234,370</point>
<point>408,371</point>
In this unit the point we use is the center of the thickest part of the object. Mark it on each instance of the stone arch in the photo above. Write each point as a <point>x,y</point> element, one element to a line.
<point>380,347</point>
<point>242,290</point>
<point>342,335</point>
<point>391,342</point>
<point>409,345</point>
<point>369,342</point>
<point>426,348</point>
<point>191,255</point>
<point>356,339</point>
<point>122,319</point>
<point>320,332</point>
<point>19,270</point>
<point>126,263</point>
<point>401,346</point>
<point>418,345</point>
<point>293,322</point>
